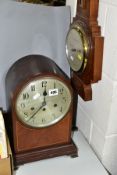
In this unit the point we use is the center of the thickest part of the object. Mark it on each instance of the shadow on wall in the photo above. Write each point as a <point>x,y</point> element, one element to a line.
<point>46,2</point>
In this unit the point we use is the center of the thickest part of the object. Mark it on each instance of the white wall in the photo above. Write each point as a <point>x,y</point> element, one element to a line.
<point>97,119</point>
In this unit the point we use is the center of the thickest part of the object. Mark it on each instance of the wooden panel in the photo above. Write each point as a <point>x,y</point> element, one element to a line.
<point>28,138</point>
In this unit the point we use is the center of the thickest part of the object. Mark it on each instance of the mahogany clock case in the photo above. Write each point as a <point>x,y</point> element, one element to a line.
<point>30,144</point>
<point>87,13</point>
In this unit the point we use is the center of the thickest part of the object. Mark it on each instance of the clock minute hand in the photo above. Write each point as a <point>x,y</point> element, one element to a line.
<point>43,104</point>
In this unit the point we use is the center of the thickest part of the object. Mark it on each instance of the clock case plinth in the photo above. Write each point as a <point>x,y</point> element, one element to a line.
<point>52,141</point>
<point>68,149</point>
<point>86,17</point>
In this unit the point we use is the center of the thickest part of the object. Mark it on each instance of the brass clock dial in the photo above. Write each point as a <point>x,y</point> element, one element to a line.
<point>77,47</point>
<point>43,102</point>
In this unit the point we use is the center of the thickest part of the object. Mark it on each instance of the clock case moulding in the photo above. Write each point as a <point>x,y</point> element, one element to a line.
<point>25,147</point>
<point>86,17</point>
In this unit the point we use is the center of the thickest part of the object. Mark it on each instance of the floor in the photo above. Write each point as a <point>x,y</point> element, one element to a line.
<point>86,164</point>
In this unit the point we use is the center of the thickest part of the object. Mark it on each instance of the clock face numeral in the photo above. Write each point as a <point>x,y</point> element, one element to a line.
<point>41,105</point>
<point>33,88</point>
<point>22,105</point>
<point>25,96</point>
<point>44,83</point>
<point>26,114</point>
<point>61,91</point>
<point>64,98</point>
<point>43,120</point>
<point>61,109</point>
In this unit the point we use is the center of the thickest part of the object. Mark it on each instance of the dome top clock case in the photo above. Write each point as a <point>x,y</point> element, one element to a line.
<point>40,106</point>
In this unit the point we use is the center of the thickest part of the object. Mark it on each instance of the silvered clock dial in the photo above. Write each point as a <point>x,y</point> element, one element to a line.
<point>77,47</point>
<point>43,102</point>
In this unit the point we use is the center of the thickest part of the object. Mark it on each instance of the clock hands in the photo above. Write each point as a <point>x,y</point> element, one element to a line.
<point>44,94</point>
<point>43,104</point>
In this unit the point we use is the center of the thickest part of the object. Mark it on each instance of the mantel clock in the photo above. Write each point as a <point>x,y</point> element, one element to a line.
<point>40,106</point>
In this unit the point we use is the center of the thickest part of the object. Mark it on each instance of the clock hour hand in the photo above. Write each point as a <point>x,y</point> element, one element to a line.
<point>45,92</point>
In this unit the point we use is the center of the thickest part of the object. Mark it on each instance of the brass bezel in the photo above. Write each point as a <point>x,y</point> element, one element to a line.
<point>85,43</point>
